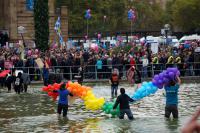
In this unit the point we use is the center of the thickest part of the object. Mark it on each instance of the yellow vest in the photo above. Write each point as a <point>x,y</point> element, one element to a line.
<point>178,60</point>
<point>170,60</point>
<point>155,60</point>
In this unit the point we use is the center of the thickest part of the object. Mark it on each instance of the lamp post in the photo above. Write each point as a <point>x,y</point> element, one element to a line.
<point>166,29</point>
<point>21,31</point>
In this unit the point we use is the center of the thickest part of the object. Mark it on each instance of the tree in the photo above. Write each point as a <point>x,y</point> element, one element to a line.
<point>41,23</point>
<point>149,16</point>
<point>186,15</point>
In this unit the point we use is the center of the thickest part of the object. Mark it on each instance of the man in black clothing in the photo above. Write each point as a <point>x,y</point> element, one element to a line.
<point>18,81</point>
<point>124,100</point>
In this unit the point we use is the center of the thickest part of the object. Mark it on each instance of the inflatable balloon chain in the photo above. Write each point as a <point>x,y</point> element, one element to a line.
<point>85,93</point>
<point>93,103</point>
<point>158,81</point>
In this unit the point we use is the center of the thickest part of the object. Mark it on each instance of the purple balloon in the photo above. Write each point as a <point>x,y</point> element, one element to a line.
<point>171,75</point>
<point>166,80</point>
<point>155,83</point>
<point>161,75</point>
<point>160,82</point>
<point>160,86</point>
<point>156,77</point>
<point>164,73</point>
<point>174,70</point>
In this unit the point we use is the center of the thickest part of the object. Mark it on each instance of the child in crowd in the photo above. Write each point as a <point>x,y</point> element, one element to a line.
<point>114,81</point>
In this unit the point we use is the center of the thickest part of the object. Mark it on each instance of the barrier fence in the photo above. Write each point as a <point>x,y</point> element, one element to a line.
<point>92,72</point>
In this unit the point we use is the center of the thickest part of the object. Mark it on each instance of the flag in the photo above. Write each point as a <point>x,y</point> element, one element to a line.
<point>58,30</point>
<point>57,26</point>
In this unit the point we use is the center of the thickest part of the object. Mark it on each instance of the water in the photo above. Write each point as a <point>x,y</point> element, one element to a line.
<point>36,112</point>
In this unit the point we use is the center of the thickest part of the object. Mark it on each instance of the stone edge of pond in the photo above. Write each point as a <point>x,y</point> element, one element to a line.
<point>192,79</point>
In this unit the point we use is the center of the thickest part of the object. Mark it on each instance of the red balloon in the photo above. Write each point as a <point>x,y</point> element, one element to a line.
<point>50,93</point>
<point>45,89</point>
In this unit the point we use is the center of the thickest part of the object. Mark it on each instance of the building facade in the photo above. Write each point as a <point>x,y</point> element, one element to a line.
<point>16,13</point>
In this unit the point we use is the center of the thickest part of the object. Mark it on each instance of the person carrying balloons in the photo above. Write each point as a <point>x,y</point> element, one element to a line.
<point>63,100</point>
<point>171,90</point>
<point>123,101</point>
<point>114,81</point>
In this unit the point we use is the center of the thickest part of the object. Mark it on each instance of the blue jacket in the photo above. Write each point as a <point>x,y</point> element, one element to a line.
<point>63,96</point>
<point>45,73</point>
<point>99,64</point>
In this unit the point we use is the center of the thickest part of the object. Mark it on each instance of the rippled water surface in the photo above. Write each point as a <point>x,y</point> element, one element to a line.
<point>36,112</point>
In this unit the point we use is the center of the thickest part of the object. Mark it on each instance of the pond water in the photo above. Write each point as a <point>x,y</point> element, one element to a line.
<point>36,112</point>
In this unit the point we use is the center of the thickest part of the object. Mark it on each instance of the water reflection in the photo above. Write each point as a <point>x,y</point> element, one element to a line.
<point>172,124</point>
<point>36,112</point>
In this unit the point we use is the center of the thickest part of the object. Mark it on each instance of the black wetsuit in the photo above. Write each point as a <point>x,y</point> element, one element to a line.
<point>124,100</point>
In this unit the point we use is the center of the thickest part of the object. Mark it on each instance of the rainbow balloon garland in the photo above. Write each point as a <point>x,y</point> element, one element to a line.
<point>85,93</point>
<point>93,103</point>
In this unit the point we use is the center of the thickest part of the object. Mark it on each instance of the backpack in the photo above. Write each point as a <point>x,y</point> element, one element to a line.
<point>17,81</point>
<point>115,78</point>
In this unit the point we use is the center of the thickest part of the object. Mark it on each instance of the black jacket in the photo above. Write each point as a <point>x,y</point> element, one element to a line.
<point>123,100</point>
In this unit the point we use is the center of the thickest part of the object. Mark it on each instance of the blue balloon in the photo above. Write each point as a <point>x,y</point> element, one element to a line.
<point>131,14</point>
<point>87,14</point>
<point>146,89</point>
<point>153,90</point>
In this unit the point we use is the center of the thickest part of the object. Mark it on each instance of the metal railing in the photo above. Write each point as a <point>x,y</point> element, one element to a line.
<point>91,72</point>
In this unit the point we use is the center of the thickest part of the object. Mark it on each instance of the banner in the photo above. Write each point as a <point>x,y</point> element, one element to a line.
<point>39,63</point>
<point>154,48</point>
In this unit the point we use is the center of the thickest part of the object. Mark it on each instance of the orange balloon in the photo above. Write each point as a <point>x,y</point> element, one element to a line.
<point>69,89</point>
<point>84,93</point>
<point>54,85</point>
<point>70,84</point>
<point>67,85</point>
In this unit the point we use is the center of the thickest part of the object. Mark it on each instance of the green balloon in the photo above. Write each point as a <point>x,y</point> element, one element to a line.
<point>113,112</point>
<point>104,107</point>
<point>107,111</point>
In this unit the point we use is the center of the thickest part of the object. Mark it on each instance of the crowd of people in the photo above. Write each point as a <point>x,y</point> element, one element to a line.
<point>99,64</point>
